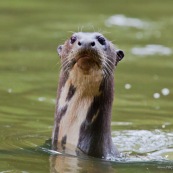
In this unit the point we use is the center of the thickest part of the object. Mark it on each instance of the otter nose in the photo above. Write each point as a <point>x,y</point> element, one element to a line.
<point>86,44</point>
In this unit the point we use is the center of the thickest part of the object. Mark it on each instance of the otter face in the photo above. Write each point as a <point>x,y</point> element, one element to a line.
<point>89,51</point>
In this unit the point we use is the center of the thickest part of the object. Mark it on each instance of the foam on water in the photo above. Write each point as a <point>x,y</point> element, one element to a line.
<point>41,99</point>
<point>136,146</point>
<point>146,143</point>
<point>9,90</point>
<point>127,86</point>
<point>151,49</point>
<point>165,91</point>
<point>156,95</point>
<point>121,20</point>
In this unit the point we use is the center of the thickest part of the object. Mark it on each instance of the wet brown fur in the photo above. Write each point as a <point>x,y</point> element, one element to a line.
<point>86,86</point>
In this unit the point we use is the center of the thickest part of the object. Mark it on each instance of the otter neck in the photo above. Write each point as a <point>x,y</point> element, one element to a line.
<point>84,113</point>
<point>75,98</point>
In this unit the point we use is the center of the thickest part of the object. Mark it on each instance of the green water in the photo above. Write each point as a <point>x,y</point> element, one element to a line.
<point>142,126</point>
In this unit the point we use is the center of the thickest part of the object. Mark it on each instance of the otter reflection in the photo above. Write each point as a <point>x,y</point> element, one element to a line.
<point>67,164</point>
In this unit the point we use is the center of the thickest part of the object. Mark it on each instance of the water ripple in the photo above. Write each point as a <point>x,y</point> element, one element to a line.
<point>144,142</point>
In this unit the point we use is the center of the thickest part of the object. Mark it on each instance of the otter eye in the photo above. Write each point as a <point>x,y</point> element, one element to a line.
<point>73,39</point>
<point>101,40</point>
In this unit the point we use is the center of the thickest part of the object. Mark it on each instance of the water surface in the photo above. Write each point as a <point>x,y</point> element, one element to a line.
<point>142,119</point>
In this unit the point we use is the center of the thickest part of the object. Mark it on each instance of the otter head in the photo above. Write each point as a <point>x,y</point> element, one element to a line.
<point>88,52</point>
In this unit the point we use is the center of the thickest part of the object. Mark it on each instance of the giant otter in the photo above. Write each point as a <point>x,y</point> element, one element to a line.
<point>85,95</point>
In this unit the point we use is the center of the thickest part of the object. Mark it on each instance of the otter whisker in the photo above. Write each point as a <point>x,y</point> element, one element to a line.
<point>92,26</point>
<point>66,67</point>
<point>57,64</point>
<point>108,67</point>
<point>66,60</point>
<point>108,71</point>
<point>80,28</point>
<point>64,64</point>
<point>110,61</point>
<point>104,73</point>
<point>66,71</point>
<point>71,32</point>
<point>104,66</point>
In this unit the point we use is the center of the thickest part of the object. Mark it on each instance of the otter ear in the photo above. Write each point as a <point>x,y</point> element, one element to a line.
<point>59,49</point>
<point>120,55</point>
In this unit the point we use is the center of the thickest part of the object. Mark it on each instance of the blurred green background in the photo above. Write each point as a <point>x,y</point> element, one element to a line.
<point>31,30</point>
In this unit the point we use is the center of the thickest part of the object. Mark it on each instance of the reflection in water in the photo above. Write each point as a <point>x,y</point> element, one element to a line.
<point>64,164</point>
<point>151,148</point>
<point>67,164</point>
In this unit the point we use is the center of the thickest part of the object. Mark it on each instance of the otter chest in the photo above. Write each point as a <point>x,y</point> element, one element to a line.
<point>76,98</point>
